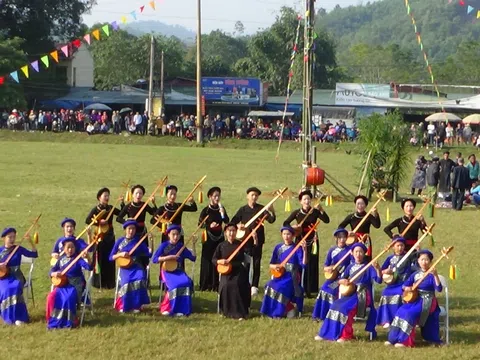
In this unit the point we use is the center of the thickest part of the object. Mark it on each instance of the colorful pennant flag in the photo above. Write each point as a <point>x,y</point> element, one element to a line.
<point>469,9</point>
<point>124,19</point>
<point>65,50</point>
<point>114,26</point>
<point>106,29</point>
<point>87,39</point>
<point>77,43</point>
<point>45,61</point>
<point>152,4</point>
<point>54,55</point>
<point>462,3</point>
<point>2,80</point>
<point>141,8</point>
<point>96,34</point>
<point>25,70</point>
<point>134,14</point>
<point>14,76</point>
<point>478,14</point>
<point>35,65</point>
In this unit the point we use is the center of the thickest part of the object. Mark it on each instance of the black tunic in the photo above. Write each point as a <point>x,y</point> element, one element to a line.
<point>310,278</point>
<point>354,219</point>
<point>130,211</point>
<point>446,167</point>
<point>106,278</point>
<point>170,209</point>
<point>208,272</point>
<point>234,289</point>
<point>245,213</point>
<point>411,236</point>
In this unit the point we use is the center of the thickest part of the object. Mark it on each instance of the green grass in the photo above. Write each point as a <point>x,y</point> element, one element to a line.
<point>59,175</point>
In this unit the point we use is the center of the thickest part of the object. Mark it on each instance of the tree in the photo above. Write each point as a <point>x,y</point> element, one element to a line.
<point>42,22</point>
<point>239,28</point>
<point>11,57</point>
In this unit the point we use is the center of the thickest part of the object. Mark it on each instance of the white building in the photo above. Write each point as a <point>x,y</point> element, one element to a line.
<point>78,69</point>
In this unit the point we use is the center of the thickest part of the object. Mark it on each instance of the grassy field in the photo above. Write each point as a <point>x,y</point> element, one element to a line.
<point>59,175</point>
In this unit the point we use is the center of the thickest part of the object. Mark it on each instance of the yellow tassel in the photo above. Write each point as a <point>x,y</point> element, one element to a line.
<point>35,238</point>
<point>330,200</point>
<point>200,197</point>
<point>453,272</point>
<point>128,196</point>
<point>326,201</point>
<point>314,248</point>
<point>164,227</point>
<point>288,207</point>
<point>388,213</point>
<point>204,236</point>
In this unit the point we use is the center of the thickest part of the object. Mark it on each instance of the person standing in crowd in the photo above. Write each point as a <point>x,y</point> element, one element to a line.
<point>446,167</point>
<point>432,177</point>
<point>243,215</point>
<point>460,182</point>
<point>418,180</point>
<point>473,168</point>
<point>431,133</point>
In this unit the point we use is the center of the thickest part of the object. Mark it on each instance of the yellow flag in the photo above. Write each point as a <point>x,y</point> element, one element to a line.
<point>54,55</point>
<point>124,19</point>
<point>152,4</point>
<point>96,34</point>
<point>25,70</point>
<point>388,213</point>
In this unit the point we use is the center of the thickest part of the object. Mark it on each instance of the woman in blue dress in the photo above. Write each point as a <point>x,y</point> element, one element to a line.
<point>68,226</point>
<point>62,302</point>
<point>391,298</point>
<point>338,324</point>
<point>285,293</point>
<point>423,312</point>
<point>179,287</point>
<point>329,291</point>
<point>12,304</point>
<point>132,292</point>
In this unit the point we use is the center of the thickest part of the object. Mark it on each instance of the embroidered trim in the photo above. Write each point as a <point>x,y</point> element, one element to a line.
<point>129,287</point>
<point>335,315</point>
<point>403,325</point>
<point>277,296</point>
<point>390,300</point>
<point>62,314</point>
<point>183,291</point>
<point>11,301</point>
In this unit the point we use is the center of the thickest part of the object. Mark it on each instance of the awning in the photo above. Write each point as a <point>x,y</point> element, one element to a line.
<point>269,113</point>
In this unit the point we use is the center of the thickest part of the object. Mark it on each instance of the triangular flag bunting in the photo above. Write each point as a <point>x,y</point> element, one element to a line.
<point>87,38</point>
<point>141,8</point>
<point>106,29</point>
<point>54,55</point>
<point>14,76</point>
<point>134,14</point>
<point>77,43</point>
<point>45,60</point>
<point>35,65</point>
<point>124,19</point>
<point>65,50</point>
<point>25,70</point>
<point>469,9</point>
<point>114,26</point>
<point>96,34</point>
<point>478,14</point>
<point>152,4</point>
<point>2,80</point>
<point>462,3</point>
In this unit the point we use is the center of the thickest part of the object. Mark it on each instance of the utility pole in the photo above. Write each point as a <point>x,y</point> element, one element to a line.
<point>150,82</point>
<point>307,85</point>
<point>162,94</point>
<point>199,73</point>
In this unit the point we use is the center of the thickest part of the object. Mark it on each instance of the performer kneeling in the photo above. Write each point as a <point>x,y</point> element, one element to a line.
<point>63,301</point>
<point>13,308</point>
<point>234,288</point>
<point>423,312</point>
<point>281,293</point>
<point>132,294</point>
<point>328,293</point>
<point>179,287</point>
<point>338,325</point>
<point>391,298</point>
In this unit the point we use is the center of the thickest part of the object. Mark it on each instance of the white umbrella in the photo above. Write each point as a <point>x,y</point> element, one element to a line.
<point>98,106</point>
<point>472,119</point>
<point>443,117</point>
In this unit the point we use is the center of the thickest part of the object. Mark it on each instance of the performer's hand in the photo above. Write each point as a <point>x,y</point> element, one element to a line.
<point>296,226</point>
<point>304,244</point>
<point>240,226</point>
<point>375,211</point>
<point>434,272</point>
<point>407,288</point>
<point>85,255</point>
<point>152,199</point>
<point>222,262</point>
<point>150,236</point>
<point>213,225</point>
<point>190,200</point>
<point>124,254</point>
<point>421,218</point>
<point>343,282</point>
<point>376,265</point>
<point>56,274</point>
<point>271,209</point>
<point>328,268</point>
<point>387,271</point>
<point>103,222</point>
<point>55,255</point>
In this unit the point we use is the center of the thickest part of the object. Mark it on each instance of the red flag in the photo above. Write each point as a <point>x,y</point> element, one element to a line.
<point>77,43</point>
<point>462,3</point>
<point>2,80</point>
<point>141,8</point>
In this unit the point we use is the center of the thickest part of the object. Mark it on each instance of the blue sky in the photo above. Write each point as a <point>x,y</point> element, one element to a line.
<point>216,14</point>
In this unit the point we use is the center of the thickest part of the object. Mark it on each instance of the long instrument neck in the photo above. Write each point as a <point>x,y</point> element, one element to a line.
<point>250,222</point>
<point>339,262</point>
<point>191,236</point>
<point>139,212</point>
<point>360,273</point>
<point>74,261</point>
<point>417,215</point>
<point>366,215</point>
<point>23,237</point>
<point>429,271</point>
<point>135,247</point>
<point>289,256</point>
<point>175,214</point>
<point>306,216</point>
<point>242,244</point>
<point>110,213</point>
<point>11,254</point>
<point>409,252</point>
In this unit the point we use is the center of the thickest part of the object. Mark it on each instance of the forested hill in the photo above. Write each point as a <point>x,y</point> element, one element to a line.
<point>443,26</point>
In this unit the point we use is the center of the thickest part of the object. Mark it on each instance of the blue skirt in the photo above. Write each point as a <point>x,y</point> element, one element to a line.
<point>133,289</point>
<point>326,296</point>
<point>390,302</point>
<point>63,312</point>
<point>178,299</point>
<point>12,304</point>
<point>279,292</point>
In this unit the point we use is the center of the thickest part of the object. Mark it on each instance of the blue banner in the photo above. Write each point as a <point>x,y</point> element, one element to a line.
<point>239,91</point>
